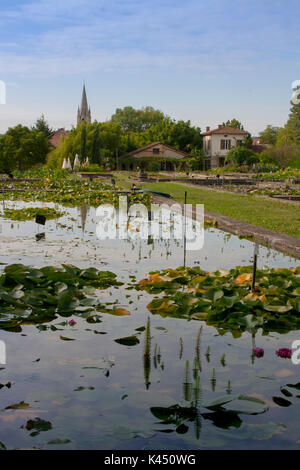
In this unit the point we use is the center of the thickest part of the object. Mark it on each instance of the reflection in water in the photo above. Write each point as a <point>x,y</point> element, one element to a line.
<point>84,210</point>
<point>201,374</point>
<point>156,356</point>
<point>178,415</point>
<point>213,380</point>
<point>198,352</point>
<point>187,385</point>
<point>196,409</point>
<point>180,348</point>
<point>147,355</point>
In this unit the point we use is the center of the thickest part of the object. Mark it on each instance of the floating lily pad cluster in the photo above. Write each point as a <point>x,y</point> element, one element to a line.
<point>224,412</point>
<point>64,188</point>
<point>224,299</point>
<point>30,213</point>
<point>30,295</point>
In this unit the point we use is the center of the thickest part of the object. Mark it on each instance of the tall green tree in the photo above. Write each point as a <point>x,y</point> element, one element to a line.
<point>179,134</point>
<point>83,141</point>
<point>41,125</point>
<point>234,123</point>
<point>269,135</point>
<point>22,148</point>
<point>137,120</point>
<point>82,138</point>
<point>95,152</point>
<point>293,125</point>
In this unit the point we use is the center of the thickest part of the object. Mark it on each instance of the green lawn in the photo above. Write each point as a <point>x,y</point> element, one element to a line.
<point>257,210</point>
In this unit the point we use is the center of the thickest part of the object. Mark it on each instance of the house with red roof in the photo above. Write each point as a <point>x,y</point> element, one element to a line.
<point>56,137</point>
<point>165,155</point>
<point>218,142</point>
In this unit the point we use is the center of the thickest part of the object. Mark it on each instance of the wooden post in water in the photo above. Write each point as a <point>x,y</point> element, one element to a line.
<point>184,239</point>
<point>256,251</point>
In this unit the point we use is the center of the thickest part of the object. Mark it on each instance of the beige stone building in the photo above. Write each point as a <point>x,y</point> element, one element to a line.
<point>164,153</point>
<point>218,142</point>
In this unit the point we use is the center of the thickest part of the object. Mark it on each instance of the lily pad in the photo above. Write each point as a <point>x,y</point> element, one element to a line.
<point>128,341</point>
<point>237,404</point>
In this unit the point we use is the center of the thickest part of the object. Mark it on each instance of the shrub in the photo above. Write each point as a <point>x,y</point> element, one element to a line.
<point>89,169</point>
<point>241,156</point>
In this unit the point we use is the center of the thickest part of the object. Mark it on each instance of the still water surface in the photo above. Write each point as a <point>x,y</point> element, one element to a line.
<point>93,393</point>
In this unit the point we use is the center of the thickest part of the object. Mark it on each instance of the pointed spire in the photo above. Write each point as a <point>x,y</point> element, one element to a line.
<point>84,104</point>
<point>84,112</point>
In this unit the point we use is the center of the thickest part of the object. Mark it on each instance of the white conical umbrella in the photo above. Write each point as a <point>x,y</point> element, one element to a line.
<point>76,161</point>
<point>87,161</point>
<point>65,165</point>
<point>69,166</point>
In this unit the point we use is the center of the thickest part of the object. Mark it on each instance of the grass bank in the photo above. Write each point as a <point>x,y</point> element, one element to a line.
<point>273,215</point>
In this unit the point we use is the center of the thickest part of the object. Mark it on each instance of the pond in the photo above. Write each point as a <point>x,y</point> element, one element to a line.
<point>76,387</point>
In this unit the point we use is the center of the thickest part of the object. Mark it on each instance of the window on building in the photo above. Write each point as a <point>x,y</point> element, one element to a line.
<point>156,151</point>
<point>225,144</point>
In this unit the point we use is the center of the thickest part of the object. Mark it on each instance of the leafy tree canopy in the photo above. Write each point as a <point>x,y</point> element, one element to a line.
<point>95,140</point>
<point>234,123</point>
<point>137,120</point>
<point>292,127</point>
<point>269,135</point>
<point>22,148</point>
<point>41,125</point>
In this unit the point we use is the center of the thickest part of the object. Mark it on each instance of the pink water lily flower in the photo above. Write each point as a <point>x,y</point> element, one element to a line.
<point>258,352</point>
<point>72,322</point>
<point>284,352</point>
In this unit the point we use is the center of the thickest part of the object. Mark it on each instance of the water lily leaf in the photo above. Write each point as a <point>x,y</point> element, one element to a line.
<point>237,404</point>
<point>141,328</point>
<point>286,392</point>
<point>64,338</point>
<point>67,302</point>
<point>199,316</point>
<point>243,278</point>
<point>38,425</point>
<point>18,406</point>
<point>278,308</point>
<point>182,429</point>
<point>214,404</point>
<point>247,405</point>
<point>281,402</point>
<point>175,414</point>
<point>94,319</point>
<point>224,419</point>
<point>162,304</point>
<point>119,312</point>
<point>296,292</point>
<point>59,441</point>
<point>128,341</point>
<point>213,294</point>
<point>296,386</point>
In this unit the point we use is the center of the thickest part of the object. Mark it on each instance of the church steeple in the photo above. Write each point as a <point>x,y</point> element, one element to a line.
<point>84,112</point>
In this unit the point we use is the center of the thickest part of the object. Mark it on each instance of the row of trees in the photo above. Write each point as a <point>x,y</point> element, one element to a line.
<point>23,147</point>
<point>127,130</point>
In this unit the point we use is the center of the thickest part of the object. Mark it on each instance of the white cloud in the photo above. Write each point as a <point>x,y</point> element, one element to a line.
<point>67,36</point>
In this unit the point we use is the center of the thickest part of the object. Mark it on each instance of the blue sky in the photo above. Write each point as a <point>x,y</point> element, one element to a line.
<point>207,61</point>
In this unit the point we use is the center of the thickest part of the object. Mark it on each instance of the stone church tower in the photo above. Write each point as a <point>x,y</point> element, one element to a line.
<point>84,112</point>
